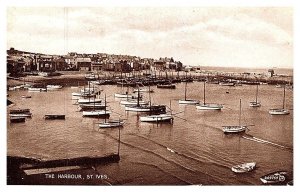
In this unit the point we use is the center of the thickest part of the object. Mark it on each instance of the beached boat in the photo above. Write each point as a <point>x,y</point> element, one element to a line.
<point>280,111</point>
<point>112,124</point>
<point>52,117</point>
<point>255,103</point>
<point>157,118</point>
<point>208,106</point>
<point>243,168</point>
<point>235,128</point>
<point>187,101</point>
<point>17,119</point>
<point>275,177</point>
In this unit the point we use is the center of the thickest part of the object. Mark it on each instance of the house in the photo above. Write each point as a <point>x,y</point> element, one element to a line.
<point>83,63</point>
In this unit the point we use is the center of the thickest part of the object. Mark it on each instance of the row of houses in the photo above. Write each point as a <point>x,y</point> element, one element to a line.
<point>19,61</point>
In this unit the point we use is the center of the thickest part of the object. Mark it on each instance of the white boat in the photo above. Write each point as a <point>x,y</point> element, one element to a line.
<point>275,177</point>
<point>53,87</point>
<point>280,111</point>
<point>255,103</point>
<point>243,168</point>
<point>235,128</point>
<point>86,101</point>
<point>96,113</point>
<point>111,124</point>
<point>227,83</point>
<point>208,106</point>
<point>133,102</point>
<point>157,118</point>
<point>20,115</point>
<point>187,101</point>
<point>145,90</point>
<point>123,95</point>
<point>33,89</point>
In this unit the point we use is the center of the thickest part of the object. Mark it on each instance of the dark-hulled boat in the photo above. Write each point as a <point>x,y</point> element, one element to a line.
<point>275,177</point>
<point>51,117</point>
<point>17,119</point>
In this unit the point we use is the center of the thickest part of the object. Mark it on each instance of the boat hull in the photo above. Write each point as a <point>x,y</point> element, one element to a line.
<point>111,124</point>
<point>17,119</point>
<point>209,107</point>
<point>188,102</point>
<point>272,178</point>
<point>279,112</point>
<point>243,168</point>
<point>254,104</point>
<point>234,129</point>
<point>95,113</point>
<point>157,118</point>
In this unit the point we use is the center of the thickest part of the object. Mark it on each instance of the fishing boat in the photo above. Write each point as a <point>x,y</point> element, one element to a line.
<point>280,111</point>
<point>157,118</point>
<point>17,119</point>
<point>236,128</point>
<point>187,101</point>
<point>53,87</point>
<point>52,117</point>
<point>243,168</point>
<point>208,106</point>
<point>166,86</point>
<point>255,103</point>
<point>275,177</point>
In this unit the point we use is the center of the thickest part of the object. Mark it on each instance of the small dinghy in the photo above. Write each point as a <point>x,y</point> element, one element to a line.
<point>243,168</point>
<point>275,177</point>
<point>17,119</point>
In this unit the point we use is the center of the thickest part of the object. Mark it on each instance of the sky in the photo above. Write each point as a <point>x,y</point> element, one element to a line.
<point>205,36</point>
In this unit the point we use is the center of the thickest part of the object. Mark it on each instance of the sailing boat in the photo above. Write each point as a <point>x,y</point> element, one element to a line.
<point>208,106</point>
<point>97,113</point>
<point>111,123</point>
<point>255,103</point>
<point>123,95</point>
<point>235,128</point>
<point>187,101</point>
<point>145,108</point>
<point>158,118</point>
<point>281,111</point>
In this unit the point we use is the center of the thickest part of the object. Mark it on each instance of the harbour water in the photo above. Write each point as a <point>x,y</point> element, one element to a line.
<point>192,150</point>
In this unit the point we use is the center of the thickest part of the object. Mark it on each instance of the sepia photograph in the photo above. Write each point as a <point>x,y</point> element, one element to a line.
<point>140,96</point>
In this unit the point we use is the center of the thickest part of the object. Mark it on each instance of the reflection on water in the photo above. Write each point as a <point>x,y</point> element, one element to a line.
<point>192,150</point>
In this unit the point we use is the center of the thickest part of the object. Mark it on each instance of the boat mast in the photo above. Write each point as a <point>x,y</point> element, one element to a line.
<point>204,93</point>
<point>283,97</point>
<point>105,107</point>
<point>119,142</point>
<point>138,97</point>
<point>256,93</point>
<point>240,112</point>
<point>185,91</point>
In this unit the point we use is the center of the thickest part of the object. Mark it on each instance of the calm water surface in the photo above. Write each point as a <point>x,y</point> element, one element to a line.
<point>202,153</point>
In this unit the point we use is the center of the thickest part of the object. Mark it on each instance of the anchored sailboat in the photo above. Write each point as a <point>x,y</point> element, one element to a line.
<point>280,111</point>
<point>235,128</point>
<point>255,103</point>
<point>208,106</point>
<point>187,101</point>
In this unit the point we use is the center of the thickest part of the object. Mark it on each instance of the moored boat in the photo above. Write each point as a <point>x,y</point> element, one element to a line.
<point>20,115</point>
<point>166,86</point>
<point>185,100</point>
<point>157,118</point>
<point>111,124</point>
<point>133,102</point>
<point>255,103</point>
<point>88,106</point>
<point>280,111</point>
<point>51,117</point>
<point>26,96</point>
<point>243,168</point>
<point>208,106</point>
<point>275,177</point>
<point>96,113</point>
<point>53,87</point>
<point>33,89</point>
<point>15,111</point>
<point>86,101</point>
<point>17,119</point>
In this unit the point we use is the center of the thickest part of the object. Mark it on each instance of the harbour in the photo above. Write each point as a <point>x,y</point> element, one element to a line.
<point>191,150</point>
